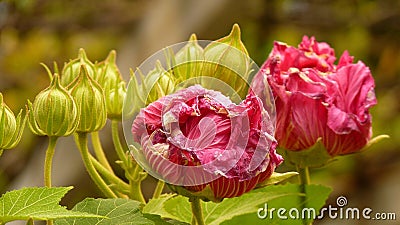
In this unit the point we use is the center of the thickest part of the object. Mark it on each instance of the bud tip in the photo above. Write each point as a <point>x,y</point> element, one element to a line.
<point>193,37</point>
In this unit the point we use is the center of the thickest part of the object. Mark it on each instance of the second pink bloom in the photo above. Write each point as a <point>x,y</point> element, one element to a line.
<point>317,99</point>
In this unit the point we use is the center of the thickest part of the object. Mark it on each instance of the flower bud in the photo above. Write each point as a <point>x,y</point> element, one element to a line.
<point>54,112</point>
<point>227,59</point>
<point>71,70</point>
<point>110,79</point>
<point>115,100</point>
<point>108,74</point>
<point>90,100</point>
<point>157,84</point>
<point>11,128</point>
<point>189,60</point>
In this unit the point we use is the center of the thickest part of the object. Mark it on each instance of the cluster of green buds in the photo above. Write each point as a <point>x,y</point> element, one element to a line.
<point>80,100</point>
<point>11,128</point>
<point>225,59</point>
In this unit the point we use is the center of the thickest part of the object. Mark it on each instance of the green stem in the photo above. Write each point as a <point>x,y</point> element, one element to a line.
<point>159,189</point>
<point>304,175</point>
<point>1,153</point>
<point>136,191</point>
<point>304,178</point>
<point>124,187</point>
<point>193,222</point>
<point>135,182</point>
<point>83,148</point>
<point>197,212</point>
<point>134,177</point>
<point>30,222</point>
<point>98,150</point>
<point>117,143</point>
<point>48,161</point>
<point>49,222</point>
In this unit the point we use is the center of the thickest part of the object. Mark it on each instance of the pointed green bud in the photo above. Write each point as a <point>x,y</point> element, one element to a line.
<point>227,59</point>
<point>108,73</point>
<point>11,128</point>
<point>54,112</point>
<point>157,84</point>
<point>136,99</point>
<point>115,99</point>
<point>189,60</point>
<point>71,70</point>
<point>233,40</point>
<point>89,98</point>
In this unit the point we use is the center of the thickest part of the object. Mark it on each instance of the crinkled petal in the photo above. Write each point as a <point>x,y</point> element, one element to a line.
<point>354,97</point>
<point>345,59</point>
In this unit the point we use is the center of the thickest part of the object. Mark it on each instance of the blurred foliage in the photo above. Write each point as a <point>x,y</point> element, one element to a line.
<point>34,31</point>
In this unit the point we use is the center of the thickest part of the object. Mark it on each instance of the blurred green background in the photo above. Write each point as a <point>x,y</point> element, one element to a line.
<point>38,31</point>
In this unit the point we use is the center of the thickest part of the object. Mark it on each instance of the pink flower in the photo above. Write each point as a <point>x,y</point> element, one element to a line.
<point>317,99</point>
<point>199,139</point>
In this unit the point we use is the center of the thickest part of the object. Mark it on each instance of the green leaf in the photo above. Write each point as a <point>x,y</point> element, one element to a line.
<point>315,198</point>
<point>315,156</point>
<point>37,203</point>
<point>178,207</point>
<point>114,211</point>
<point>156,206</point>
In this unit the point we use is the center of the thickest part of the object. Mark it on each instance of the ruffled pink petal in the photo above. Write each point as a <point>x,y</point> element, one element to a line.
<point>308,83</point>
<point>322,49</point>
<point>345,59</point>
<point>350,104</point>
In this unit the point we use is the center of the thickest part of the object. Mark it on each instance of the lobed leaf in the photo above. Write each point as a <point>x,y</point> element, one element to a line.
<point>113,211</point>
<point>36,203</point>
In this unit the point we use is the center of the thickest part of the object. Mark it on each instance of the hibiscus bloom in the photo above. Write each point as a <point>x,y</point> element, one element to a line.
<point>199,139</point>
<point>318,100</point>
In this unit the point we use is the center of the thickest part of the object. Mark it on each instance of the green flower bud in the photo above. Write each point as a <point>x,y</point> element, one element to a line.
<point>108,74</point>
<point>157,84</point>
<point>110,79</point>
<point>115,100</point>
<point>71,70</point>
<point>54,112</point>
<point>189,60</point>
<point>227,59</point>
<point>11,128</point>
<point>89,98</point>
